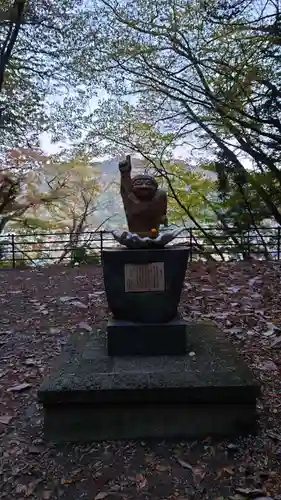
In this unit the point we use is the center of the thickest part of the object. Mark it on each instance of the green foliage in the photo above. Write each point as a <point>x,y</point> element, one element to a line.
<point>82,255</point>
<point>198,72</point>
<point>19,264</point>
<point>41,193</point>
<point>50,59</point>
<point>172,75</point>
<point>78,255</point>
<point>30,224</point>
<point>190,194</point>
<point>21,186</point>
<point>2,249</point>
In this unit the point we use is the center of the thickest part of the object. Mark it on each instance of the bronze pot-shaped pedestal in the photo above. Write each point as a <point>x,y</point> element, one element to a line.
<point>144,285</point>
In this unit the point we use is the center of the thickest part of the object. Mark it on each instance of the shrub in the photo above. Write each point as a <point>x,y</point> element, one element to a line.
<point>81,255</point>
<point>78,255</point>
<point>19,264</point>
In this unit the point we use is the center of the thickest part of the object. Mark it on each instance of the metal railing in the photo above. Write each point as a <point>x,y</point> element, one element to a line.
<point>35,249</point>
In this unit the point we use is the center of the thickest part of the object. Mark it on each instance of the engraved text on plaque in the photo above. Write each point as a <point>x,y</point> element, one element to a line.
<point>144,277</point>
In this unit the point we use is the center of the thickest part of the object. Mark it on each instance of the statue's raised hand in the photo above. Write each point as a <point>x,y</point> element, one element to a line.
<point>125,165</point>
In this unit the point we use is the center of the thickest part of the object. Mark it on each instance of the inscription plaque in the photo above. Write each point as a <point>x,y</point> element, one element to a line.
<point>145,277</point>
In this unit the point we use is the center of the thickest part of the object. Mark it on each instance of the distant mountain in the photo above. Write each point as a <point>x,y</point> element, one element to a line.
<point>110,167</point>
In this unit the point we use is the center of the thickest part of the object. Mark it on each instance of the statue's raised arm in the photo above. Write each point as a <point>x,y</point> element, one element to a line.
<point>125,168</point>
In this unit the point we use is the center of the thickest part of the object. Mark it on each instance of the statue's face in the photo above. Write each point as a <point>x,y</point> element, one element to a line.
<point>144,187</point>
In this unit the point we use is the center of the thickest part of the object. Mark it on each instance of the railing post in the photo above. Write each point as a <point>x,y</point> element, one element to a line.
<point>278,243</point>
<point>101,243</point>
<point>13,251</point>
<point>190,244</point>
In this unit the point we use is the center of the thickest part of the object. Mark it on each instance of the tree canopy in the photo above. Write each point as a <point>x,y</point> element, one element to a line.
<point>199,77</point>
<point>205,72</point>
<point>45,69</point>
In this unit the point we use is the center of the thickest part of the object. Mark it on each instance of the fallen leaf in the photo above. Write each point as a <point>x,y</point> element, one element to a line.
<point>184,464</point>
<point>31,487</point>
<point>149,458</point>
<point>85,326</point>
<point>268,366</point>
<point>53,331</point>
<point>5,419</point>
<point>198,474</point>
<point>79,304</point>
<point>30,362</point>
<point>264,498</point>
<point>96,294</point>
<point>232,447</point>
<point>101,495</point>
<point>141,481</point>
<point>233,289</point>
<point>271,329</point>
<point>162,468</point>
<point>248,492</point>
<point>252,281</point>
<point>235,330</point>
<point>274,435</point>
<point>277,342</point>
<point>229,469</point>
<point>34,450</point>
<point>75,476</point>
<point>19,387</point>
<point>21,488</point>
<point>267,474</point>
<point>67,298</point>
<point>46,495</point>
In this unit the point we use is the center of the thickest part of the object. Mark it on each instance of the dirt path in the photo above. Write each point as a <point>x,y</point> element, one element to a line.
<point>37,316</point>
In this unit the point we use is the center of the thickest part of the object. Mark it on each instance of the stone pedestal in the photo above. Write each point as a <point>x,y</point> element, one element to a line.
<point>144,286</point>
<point>143,289</point>
<point>138,379</point>
<point>92,396</point>
<point>126,338</point>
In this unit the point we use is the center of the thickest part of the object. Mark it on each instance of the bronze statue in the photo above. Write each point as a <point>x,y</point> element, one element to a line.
<point>144,203</point>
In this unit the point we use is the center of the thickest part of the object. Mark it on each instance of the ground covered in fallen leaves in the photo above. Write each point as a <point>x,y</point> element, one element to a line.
<point>40,308</point>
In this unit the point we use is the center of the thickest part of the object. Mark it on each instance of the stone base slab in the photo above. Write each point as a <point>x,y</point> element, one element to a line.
<point>85,423</point>
<point>91,396</point>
